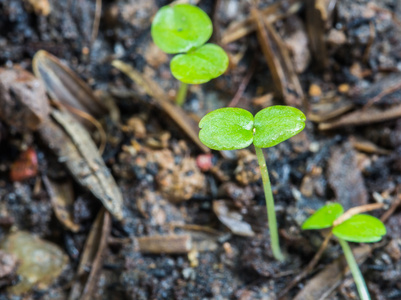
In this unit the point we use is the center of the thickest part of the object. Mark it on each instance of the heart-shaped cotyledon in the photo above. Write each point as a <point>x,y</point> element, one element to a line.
<point>235,128</point>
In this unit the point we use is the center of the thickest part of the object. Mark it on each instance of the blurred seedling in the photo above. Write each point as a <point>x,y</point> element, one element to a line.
<point>184,29</point>
<point>351,226</point>
<point>236,128</point>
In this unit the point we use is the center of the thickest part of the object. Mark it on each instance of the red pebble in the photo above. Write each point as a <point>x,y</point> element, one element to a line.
<point>204,162</point>
<point>26,166</point>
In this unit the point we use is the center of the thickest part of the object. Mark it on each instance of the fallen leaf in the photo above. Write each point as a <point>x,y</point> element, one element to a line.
<point>73,145</point>
<point>230,217</point>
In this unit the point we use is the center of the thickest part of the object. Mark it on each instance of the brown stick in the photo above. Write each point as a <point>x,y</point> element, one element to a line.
<point>242,86</point>
<point>381,95</point>
<point>391,210</point>
<point>98,261</point>
<point>272,14</point>
<point>364,116</point>
<point>356,210</point>
<point>96,20</point>
<point>172,244</point>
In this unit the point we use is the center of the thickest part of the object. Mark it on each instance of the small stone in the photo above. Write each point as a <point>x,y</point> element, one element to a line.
<point>343,88</point>
<point>137,126</point>
<point>336,37</point>
<point>394,249</point>
<point>307,186</point>
<point>315,90</point>
<point>8,264</point>
<point>204,162</point>
<point>188,274</point>
<point>40,261</point>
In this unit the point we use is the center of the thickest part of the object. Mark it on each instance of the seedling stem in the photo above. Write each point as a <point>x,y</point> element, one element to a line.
<point>233,128</point>
<point>356,273</point>
<point>271,214</point>
<point>181,94</point>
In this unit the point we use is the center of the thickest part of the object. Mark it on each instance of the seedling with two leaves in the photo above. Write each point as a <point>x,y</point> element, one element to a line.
<point>185,29</point>
<point>236,128</point>
<point>348,227</point>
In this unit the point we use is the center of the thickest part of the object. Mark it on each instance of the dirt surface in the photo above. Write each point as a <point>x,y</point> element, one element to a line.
<point>184,223</point>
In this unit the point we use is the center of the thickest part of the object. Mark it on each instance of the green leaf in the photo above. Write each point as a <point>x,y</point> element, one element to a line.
<point>180,28</point>
<point>276,124</point>
<point>200,65</point>
<point>324,217</point>
<point>227,129</point>
<point>360,229</point>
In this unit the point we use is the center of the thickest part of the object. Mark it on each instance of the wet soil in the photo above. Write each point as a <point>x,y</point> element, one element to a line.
<point>171,188</point>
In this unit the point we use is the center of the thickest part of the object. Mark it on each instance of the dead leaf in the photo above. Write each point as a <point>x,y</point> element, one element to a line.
<point>23,100</point>
<point>64,86</point>
<point>62,199</point>
<point>230,217</point>
<point>74,146</point>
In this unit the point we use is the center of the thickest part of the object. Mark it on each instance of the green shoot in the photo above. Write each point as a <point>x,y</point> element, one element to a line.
<point>356,273</point>
<point>181,94</point>
<point>359,228</point>
<point>236,128</point>
<point>184,29</point>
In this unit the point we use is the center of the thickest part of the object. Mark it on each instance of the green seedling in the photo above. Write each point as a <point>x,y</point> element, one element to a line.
<point>348,227</point>
<point>185,29</point>
<point>235,128</point>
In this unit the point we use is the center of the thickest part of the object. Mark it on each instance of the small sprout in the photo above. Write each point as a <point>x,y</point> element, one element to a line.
<point>236,128</point>
<point>184,29</point>
<point>181,28</point>
<point>359,228</point>
<point>199,65</point>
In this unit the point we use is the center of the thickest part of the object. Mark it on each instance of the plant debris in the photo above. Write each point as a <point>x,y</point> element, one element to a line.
<point>96,158</point>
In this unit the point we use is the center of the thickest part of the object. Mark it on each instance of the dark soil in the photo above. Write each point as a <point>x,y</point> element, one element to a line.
<point>167,191</point>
